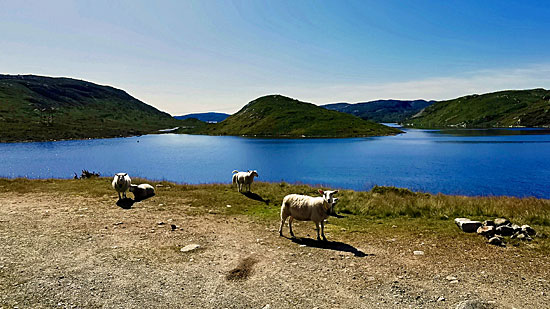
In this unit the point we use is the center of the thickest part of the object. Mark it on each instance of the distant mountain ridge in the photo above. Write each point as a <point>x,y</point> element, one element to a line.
<point>381,110</point>
<point>280,116</point>
<point>45,108</point>
<point>510,108</point>
<point>206,117</point>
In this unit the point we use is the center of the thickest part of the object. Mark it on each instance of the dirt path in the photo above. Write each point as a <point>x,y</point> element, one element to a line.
<point>68,251</point>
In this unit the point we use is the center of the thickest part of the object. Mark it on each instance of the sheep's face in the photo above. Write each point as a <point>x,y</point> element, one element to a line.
<point>120,176</point>
<point>328,196</point>
<point>254,174</point>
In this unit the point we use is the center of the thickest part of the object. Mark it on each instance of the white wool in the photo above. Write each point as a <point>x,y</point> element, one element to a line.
<point>121,183</point>
<point>244,179</point>
<point>307,208</point>
<point>142,191</point>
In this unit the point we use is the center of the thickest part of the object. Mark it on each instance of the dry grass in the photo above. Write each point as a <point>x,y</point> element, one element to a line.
<point>384,206</point>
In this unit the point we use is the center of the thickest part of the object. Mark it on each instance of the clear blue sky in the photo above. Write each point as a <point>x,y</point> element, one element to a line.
<point>197,56</point>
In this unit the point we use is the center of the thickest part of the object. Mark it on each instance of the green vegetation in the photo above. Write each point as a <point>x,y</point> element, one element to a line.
<point>46,108</point>
<point>382,110</point>
<point>514,108</point>
<point>279,116</point>
<point>363,211</point>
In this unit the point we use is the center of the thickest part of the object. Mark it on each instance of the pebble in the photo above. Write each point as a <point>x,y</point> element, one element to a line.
<point>418,252</point>
<point>190,247</point>
<point>229,206</point>
<point>441,299</point>
<point>451,278</point>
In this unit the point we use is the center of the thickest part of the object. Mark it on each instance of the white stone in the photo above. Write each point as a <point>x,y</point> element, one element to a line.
<point>190,247</point>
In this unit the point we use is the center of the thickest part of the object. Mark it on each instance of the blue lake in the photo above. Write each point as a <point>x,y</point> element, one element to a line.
<point>513,162</point>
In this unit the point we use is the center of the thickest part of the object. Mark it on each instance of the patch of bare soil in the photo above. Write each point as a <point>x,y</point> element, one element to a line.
<point>65,251</point>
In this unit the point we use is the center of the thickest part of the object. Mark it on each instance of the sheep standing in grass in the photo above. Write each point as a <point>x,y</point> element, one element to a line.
<point>142,191</point>
<point>307,208</point>
<point>244,178</point>
<point>121,183</point>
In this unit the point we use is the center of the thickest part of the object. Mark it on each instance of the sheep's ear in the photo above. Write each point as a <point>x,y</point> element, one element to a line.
<point>321,191</point>
<point>335,192</point>
<point>125,174</point>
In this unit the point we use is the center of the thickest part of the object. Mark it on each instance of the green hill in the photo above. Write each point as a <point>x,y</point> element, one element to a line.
<point>46,108</point>
<point>381,110</point>
<point>512,108</point>
<point>280,116</point>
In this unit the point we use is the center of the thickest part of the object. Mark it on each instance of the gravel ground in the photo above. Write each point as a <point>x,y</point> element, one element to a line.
<point>66,251</point>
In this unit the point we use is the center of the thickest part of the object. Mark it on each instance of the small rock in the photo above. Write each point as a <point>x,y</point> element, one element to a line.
<point>418,252</point>
<point>173,227</point>
<point>454,282</point>
<point>229,206</point>
<point>161,223</point>
<point>451,278</point>
<point>528,229</point>
<point>266,306</point>
<point>190,247</point>
<point>504,230</point>
<point>440,299</point>
<point>497,241</point>
<point>501,221</point>
<point>118,223</point>
<point>394,226</point>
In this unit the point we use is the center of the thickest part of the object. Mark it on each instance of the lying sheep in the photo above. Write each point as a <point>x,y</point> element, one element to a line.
<point>307,208</point>
<point>142,191</point>
<point>121,183</point>
<point>244,178</point>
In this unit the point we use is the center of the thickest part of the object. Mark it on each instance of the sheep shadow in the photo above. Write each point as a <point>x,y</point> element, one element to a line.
<point>125,203</point>
<point>334,214</point>
<point>330,245</point>
<point>256,197</point>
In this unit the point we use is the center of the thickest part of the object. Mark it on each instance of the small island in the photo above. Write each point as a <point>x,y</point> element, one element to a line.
<point>278,116</point>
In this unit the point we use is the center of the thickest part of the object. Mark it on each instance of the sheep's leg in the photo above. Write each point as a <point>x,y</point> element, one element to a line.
<point>323,230</point>
<point>317,228</point>
<point>118,195</point>
<point>290,226</point>
<point>283,219</point>
<point>240,186</point>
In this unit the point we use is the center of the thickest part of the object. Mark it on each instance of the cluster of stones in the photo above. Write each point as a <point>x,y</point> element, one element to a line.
<point>496,230</point>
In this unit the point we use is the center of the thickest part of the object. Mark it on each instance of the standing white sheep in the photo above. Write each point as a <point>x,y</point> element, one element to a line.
<point>142,191</point>
<point>307,208</point>
<point>244,178</point>
<point>121,183</point>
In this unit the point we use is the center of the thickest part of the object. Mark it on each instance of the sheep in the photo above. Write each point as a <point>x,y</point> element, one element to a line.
<point>244,178</point>
<point>307,208</point>
<point>121,183</point>
<point>142,191</point>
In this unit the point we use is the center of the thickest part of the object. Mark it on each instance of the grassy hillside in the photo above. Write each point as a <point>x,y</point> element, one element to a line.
<point>279,116</point>
<point>382,110</point>
<point>206,117</point>
<point>525,108</point>
<point>46,108</point>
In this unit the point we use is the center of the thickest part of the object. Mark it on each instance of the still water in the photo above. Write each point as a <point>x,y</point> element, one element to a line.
<point>513,162</point>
